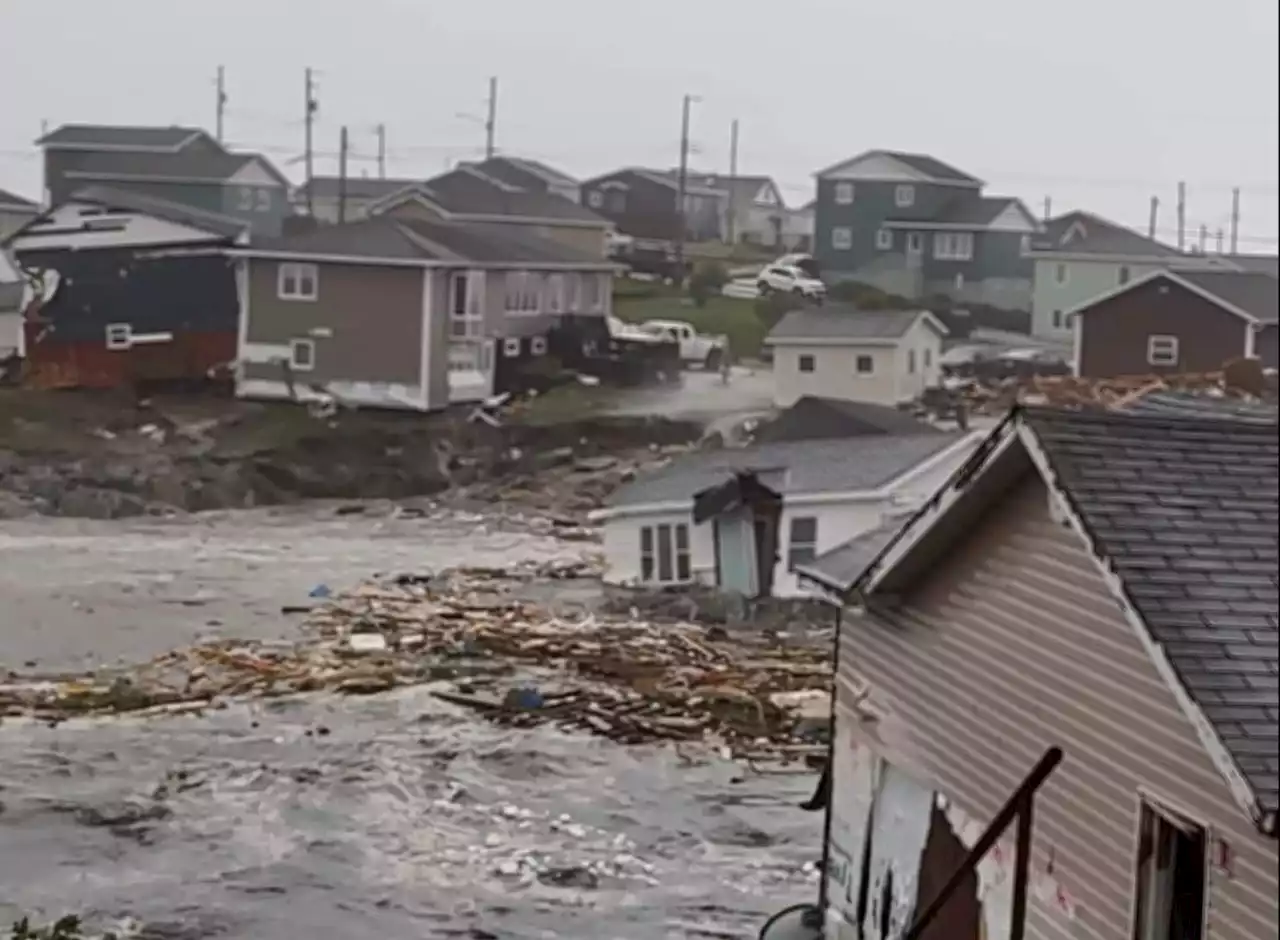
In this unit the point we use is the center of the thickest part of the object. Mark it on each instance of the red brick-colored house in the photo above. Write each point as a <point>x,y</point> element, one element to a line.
<point>1177,322</point>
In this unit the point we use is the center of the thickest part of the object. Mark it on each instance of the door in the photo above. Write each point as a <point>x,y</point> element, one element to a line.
<point>915,246</point>
<point>736,554</point>
<point>899,830</point>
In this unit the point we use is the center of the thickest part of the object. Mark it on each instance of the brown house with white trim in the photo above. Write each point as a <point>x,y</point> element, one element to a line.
<point>1176,322</point>
<point>401,312</point>
<point>1103,584</point>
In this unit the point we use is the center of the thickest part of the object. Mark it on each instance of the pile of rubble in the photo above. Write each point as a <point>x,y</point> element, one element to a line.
<point>514,661</point>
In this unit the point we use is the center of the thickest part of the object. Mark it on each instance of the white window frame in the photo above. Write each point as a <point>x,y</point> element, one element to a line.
<point>953,246</point>
<point>911,361</point>
<point>511,347</point>
<point>538,346</point>
<point>915,243</point>
<point>844,193</point>
<point>807,548</point>
<point>594,288</point>
<point>904,195</point>
<point>262,199</point>
<point>119,336</point>
<point>572,293</point>
<point>297,273</point>
<point>310,346</point>
<point>523,292</point>
<point>1163,350</point>
<point>801,358</point>
<point>1124,275</point>
<point>679,558</point>
<point>467,323</point>
<point>1059,322</point>
<point>884,239</point>
<point>1060,273</point>
<point>595,199</point>
<point>247,198</point>
<point>857,364</point>
<point>842,238</point>
<point>555,293</point>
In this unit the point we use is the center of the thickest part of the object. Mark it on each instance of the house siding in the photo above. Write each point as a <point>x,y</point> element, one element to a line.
<point>264,207</point>
<point>1268,346</point>
<point>873,202</point>
<point>1084,280</point>
<point>1113,334</point>
<point>835,372</point>
<point>374,315</point>
<point>1010,645</point>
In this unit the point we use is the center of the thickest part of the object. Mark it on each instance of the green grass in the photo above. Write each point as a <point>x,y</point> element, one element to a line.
<point>729,316</point>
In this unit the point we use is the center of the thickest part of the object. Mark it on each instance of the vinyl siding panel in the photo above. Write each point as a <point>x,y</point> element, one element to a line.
<point>1013,645</point>
<point>835,374</point>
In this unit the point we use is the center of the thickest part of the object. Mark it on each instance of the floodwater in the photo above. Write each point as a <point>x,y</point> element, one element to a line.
<point>385,818</point>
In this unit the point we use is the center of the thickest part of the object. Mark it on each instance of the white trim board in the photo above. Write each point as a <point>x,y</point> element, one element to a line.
<point>1013,433</point>
<point>1151,276</point>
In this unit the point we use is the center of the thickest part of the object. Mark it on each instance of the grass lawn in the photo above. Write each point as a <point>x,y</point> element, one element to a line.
<point>730,316</point>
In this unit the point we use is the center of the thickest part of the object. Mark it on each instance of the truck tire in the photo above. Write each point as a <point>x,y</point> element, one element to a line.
<point>764,288</point>
<point>715,357</point>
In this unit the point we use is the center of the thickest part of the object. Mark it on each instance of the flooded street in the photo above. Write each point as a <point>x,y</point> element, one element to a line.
<point>376,818</point>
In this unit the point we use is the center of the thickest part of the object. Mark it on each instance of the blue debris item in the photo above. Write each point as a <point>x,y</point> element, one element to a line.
<point>526,698</point>
<point>320,590</point>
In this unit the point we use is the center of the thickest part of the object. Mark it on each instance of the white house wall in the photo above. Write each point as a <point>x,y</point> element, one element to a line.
<point>834,374</point>
<point>921,339</point>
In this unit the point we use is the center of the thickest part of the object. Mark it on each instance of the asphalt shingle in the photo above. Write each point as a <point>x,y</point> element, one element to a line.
<point>1254,292</point>
<point>213,222</point>
<point>212,167</point>
<point>1185,510</point>
<point>1085,233</point>
<point>467,191</point>
<point>813,418</point>
<point>843,322</point>
<point>106,135</point>
<point>358,187</point>
<point>11,200</point>
<point>791,467</point>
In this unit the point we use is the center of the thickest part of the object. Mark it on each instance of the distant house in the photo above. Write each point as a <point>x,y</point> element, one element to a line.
<point>884,357</point>
<point>741,519</point>
<point>1177,321</point>
<point>325,196</point>
<point>465,194</point>
<point>183,165</point>
<point>15,212</point>
<point>813,418</point>
<point>914,226</point>
<point>531,175</point>
<point>1103,584</point>
<point>644,204</point>
<point>132,289</point>
<point>404,311</point>
<point>755,211</point>
<point>798,228</point>
<point>1080,256</point>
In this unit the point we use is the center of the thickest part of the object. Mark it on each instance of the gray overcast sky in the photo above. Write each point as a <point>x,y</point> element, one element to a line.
<point>1098,103</point>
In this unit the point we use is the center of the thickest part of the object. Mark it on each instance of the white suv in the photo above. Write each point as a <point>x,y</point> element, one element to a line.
<point>790,279</point>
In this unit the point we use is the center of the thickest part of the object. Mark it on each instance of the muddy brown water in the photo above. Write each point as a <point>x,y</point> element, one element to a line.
<point>386,818</point>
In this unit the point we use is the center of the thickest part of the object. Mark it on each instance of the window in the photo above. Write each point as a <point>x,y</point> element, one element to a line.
<point>958,281</point>
<point>302,355</point>
<point>264,200</point>
<point>1058,320</point>
<point>593,291</point>
<point>904,196</point>
<point>538,346</point>
<point>864,365</point>
<point>915,243</point>
<point>664,554</point>
<point>466,305</point>
<point>842,238</point>
<point>953,246</point>
<point>805,363</point>
<point>555,293</point>
<point>911,361</point>
<point>1060,273</point>
<point>511,347</point>
<point>928,358</point>
<point>573,292</point>
<point>844,194</point>
<point>595,199</point>
<point>1162,350</point>
<point>246,198</point>
<point>617,201</point>
<point>119,336</point>
<point>523,292</point>
<point>802,546</point>
<point>1123,274</point>
<point>1024,244</point>
<point>1169,893</point>
<point>297,281</point>
<point>884,239</point>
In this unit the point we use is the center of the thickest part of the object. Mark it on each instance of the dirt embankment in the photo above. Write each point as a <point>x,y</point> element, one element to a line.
<point>78,455</point>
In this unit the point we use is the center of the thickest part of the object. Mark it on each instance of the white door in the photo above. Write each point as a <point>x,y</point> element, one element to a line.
<point>900,821</point>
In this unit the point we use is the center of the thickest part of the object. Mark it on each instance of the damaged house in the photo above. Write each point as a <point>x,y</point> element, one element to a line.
<point>1099,586</point>
<point>740,519</point>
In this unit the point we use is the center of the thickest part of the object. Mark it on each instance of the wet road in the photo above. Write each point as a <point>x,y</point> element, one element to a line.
<point>354,819</point>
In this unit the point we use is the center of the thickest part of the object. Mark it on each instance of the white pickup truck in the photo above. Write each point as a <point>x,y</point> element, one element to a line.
<point>695,349</point>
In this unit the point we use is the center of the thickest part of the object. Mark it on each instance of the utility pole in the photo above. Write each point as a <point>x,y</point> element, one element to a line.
<point>1154,217</point>
<point>342,176</point>
<point>1221,237</point>
<point>222,101</point>
<point>312,106</point>
<point>1048,208</point>
<point>733,176</point>
<point>1204,236</point>
<point>1182,216</point>
<point>1235,221</point>
<point>491,119</point>
<point>682,184</point>
<point>382,151</point>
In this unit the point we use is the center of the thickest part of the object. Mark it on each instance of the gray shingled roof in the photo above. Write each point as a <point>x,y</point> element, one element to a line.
<point>1255,293</point>
<point>836,322</point>
<point>1185,510</point>
<point>1186,404</point>
<point>1100,237</point>
<point>513,169</point>
<point>105,135</point>
<point>10,200</point>
<point>830,466</point>
<point>812,417</point>
<point>213,222</point>
<point>974,210</point>
<point>466,191</point>
<point>358,187</point>
<point>1261,264</point>
<point>402,239</point>
<point>841,567</point>
<point>213,167</point>
<point>931,166</point>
